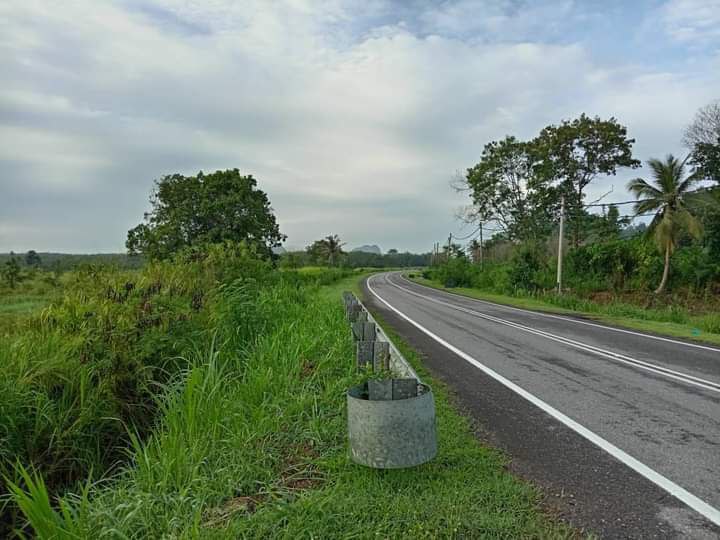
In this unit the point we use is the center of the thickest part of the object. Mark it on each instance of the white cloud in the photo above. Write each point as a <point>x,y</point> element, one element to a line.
<point>694,22</point>
<point>352,117</point>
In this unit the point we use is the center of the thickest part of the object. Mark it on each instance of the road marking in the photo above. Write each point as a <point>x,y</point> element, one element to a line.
<point>694,502</point>
<point>568,319</point>
<point>617,357</point>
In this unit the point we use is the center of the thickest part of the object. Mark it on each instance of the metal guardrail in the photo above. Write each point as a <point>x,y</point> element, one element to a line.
<point>365,325</point>
<point>391,421</point>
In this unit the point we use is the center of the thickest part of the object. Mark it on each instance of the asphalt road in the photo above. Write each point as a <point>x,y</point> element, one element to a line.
<point>620,429</point>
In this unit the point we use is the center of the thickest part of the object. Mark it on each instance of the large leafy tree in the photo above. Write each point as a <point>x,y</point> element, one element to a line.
<point>669,195</point>
<point>705,127</point>
<point>205,209</point>
<point>702,138</point>
<point>571,155</point>
<point>503,191</point>
<point>706,159</point>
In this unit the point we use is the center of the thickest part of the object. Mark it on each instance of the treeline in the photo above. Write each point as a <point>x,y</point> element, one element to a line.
<point>520,190</point>
<point>61,262</point>
<point>329,251</point>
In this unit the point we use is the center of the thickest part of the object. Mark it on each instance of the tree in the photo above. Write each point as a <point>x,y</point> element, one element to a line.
<point>328,250</point>
<point>32,258</point>
<point>205,209</point>
<point>702,138</point>
<point>611,224</point>
<point>669,198</point>
<point>705,127</point>
<point>706,159</point>
<point>11,272</point>
<point>502,190</point>
<point>573,154</point>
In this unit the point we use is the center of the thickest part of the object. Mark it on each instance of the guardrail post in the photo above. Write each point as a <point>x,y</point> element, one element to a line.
<point>363,331</point>
<point>381,356</point>
<point>353,311</point>
<point>365,351</point>
<point>404,388</point>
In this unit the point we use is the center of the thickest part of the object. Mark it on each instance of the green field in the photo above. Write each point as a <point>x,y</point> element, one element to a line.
<point>248,434</point>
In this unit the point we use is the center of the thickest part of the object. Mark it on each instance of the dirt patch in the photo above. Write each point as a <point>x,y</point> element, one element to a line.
<point>298,475</point>
<point>220,516</point>
<point>307,369</point>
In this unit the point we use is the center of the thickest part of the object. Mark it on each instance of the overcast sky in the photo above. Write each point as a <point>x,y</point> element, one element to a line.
<point>353,115</point>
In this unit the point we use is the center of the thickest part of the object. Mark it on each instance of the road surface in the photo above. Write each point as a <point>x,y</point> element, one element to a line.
<point>620,428</point>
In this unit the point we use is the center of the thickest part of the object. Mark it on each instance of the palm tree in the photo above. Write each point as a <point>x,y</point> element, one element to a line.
<point>332,247</point>
<point>667,196</point>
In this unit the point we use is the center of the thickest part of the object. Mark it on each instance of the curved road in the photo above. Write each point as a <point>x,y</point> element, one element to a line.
<point>622,429</point>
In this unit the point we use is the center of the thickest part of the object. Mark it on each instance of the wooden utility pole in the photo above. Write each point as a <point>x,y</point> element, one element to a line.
<point>560,245</point>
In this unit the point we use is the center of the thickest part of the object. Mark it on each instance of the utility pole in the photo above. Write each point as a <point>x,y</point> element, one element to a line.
<point>560,245</point>
<point>481,246</point>
<point>449,246</point>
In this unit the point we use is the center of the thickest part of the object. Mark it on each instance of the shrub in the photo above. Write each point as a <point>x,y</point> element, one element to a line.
<point>83,374</point>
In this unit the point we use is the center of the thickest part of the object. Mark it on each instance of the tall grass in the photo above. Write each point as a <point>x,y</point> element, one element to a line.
<point>79,376</point>
<point>252,444</point>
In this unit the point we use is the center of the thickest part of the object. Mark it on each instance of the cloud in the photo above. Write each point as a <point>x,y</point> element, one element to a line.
<point>353,117</point>
<point>695,22</point>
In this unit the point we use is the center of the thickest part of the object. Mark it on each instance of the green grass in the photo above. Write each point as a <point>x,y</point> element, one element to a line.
<point>667,322</point>
<point>252,444</point>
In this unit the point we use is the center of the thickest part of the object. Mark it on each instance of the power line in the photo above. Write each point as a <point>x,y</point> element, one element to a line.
<point>610,204</point>
<point>468,236</point>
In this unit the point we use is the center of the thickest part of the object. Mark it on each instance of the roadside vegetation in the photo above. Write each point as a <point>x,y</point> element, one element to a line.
<point>203,396</point>
<point>663,275</point>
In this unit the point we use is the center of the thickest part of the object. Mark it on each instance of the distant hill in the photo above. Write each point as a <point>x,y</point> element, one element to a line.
<point>369,249</point>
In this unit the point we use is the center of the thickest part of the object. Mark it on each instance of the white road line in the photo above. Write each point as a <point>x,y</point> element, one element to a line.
<point>617,357</point>
<point>568,319</point>
<point>697,504</point>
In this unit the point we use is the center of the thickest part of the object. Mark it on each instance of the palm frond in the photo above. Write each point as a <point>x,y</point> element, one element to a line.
<point>690,181</point>
<point>689,223</point>
<point>648,205</point>
<point>641,188</point>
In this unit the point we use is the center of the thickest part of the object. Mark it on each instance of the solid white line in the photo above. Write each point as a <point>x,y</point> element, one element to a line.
<point>697,504</point>
<point>568,319</point>
<point>617,357</point>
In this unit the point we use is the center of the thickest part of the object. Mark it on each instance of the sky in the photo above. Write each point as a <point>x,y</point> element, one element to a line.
<point>354,116</point>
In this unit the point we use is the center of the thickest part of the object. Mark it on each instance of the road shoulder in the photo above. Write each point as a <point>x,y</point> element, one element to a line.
<point>670,330</point>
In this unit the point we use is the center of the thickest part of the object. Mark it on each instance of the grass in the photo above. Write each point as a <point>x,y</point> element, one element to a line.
<point>667,322</point>
<point>252,444</point>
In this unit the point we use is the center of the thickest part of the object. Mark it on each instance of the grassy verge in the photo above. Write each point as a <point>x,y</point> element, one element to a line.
<point>252,444</point>
<point>616,314</point>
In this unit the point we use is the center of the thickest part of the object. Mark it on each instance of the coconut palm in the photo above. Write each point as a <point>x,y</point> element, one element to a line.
<point>331,247</point>
<point>667,196</point>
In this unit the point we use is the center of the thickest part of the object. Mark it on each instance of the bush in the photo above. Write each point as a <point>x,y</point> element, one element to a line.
<point>528,270</point>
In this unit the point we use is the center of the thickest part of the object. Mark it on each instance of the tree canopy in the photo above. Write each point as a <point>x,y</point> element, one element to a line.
<point>327,250</point>
<point>205,209</point>
<point>32,258</point>
<point>702,137</point>
<point>572,154</point>
<point>502,189</point>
